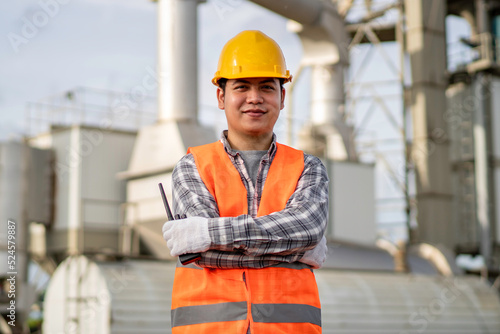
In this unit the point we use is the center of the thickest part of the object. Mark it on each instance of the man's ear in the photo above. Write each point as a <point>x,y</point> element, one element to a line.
<point>283,93</point>
<point>220,98</point>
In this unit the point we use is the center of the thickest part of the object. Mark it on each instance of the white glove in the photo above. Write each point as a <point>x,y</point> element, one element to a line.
<point>189,235</point>
<point>316,257</point>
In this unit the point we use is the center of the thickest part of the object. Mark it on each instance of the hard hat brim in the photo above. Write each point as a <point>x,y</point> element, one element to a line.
<point>287,78</point>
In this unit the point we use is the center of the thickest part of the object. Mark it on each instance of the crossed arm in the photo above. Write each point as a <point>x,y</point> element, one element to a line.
<point>255,242</point>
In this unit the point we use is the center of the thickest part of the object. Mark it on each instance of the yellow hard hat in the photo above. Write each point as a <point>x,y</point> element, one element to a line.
<point>251,54</point>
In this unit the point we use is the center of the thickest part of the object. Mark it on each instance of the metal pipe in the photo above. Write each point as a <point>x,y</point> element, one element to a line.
<point>177,60</point>
<point>481,144</point>
<point>400,38</point>
<point>303,11</point>
<point>481,169</point>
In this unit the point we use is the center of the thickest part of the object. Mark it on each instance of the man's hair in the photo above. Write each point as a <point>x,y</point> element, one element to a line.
<point>223,81</point>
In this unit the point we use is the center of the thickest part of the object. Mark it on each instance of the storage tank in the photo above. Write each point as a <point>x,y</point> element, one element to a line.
<point>108,297</point>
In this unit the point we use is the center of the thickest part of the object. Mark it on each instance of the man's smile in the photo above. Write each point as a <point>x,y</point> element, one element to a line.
<point>254,112</point>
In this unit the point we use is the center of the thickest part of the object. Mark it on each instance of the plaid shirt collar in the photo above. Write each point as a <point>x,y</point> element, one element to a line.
<point>233,153</point>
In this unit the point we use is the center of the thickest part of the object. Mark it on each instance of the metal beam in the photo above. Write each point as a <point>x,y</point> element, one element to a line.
<point>384,32</point>
<point>426,46</point>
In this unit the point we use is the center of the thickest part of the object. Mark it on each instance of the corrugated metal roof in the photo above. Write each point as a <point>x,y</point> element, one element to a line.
<point>368,302</point>
<point>348,256</point>
<point>143,305</point>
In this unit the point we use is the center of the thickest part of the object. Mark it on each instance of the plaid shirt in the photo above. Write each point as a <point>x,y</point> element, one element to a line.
<point>248,241</point>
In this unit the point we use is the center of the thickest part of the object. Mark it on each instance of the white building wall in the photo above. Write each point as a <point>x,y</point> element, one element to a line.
<point>102,193</point>
<point>352,202</point>
<point>88,192</point>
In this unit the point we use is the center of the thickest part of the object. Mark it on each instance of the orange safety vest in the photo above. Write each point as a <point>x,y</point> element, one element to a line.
<point>278,299</point>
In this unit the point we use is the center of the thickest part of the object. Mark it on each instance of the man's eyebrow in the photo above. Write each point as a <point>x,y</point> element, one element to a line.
<point>239,81</point>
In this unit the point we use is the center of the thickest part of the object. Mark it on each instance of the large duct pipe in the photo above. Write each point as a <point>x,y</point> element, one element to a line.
<point>177,60</point>
<point>325,50</point>
<point>311,15</point>
<point>327,94</point>
<point>305,12</point>
<point>324,39</point>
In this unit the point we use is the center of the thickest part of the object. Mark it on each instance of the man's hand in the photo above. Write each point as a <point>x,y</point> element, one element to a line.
<point>189,235</point>
<point>316,257</point>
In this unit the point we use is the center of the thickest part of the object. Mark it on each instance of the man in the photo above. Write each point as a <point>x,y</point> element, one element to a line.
<point>256,210</point>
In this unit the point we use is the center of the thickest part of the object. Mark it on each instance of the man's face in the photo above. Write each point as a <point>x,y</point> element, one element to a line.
<point>252,105</point>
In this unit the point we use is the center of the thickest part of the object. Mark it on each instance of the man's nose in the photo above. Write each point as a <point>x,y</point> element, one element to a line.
<point>254,95</point>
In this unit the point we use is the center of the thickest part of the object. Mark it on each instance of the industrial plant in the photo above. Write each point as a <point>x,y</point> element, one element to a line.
<point>414,212</point>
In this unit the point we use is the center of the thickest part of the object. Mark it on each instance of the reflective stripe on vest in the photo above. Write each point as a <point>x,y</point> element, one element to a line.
<point>233,311</point>
<point>279,299</point>
<point>291,313</point>
<point>192,315</point>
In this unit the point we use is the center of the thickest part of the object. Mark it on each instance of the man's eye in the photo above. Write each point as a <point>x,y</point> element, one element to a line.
<point>268,87</point>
